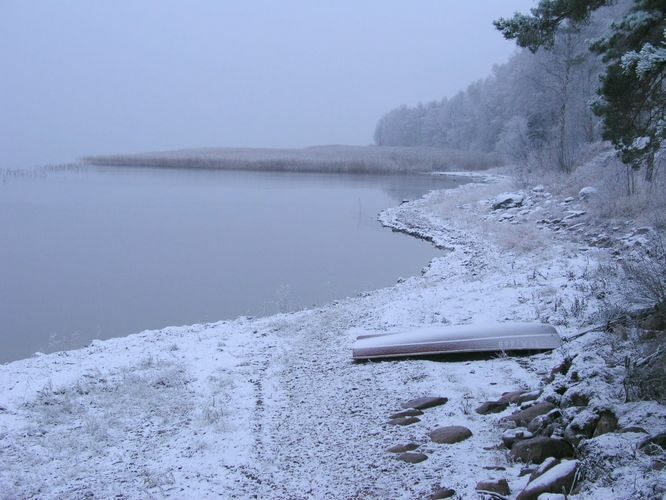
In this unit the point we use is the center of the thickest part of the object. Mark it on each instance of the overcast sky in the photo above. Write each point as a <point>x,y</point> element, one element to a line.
<point>86,76</point>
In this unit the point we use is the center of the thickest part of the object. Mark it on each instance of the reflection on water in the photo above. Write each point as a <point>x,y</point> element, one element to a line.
<point>104,252</point>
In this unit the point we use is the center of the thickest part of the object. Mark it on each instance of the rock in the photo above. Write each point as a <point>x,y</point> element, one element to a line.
<point>557,479</point>
<point>403,421</point>
<point>406,413</point>
<point>607,423</point>
<point>526,470</point>
<point>492,407</point>
<point>538,189</point>
<point>499,486</point>
<point>568,199</point>
<point>450,434</point>
<point>424,403</point>
<point>510,436</point>
<point>601,241</point>
<point>574,397</point>
<point>587,192</point>
<point>412,458</point>
<point>537,449</point>
<point>442,493</point>
<point>573,214</point>
<point>654,445</point>
<point>641,231</point>
<point>402,448</point>
<point>634,428</point>
<point>549,463</point>
<point>507,398</point>
<point>538,424</point>
<point>508,200</point>
<point>519,397</point>
<point>524,417</point>
<point>581,428</point>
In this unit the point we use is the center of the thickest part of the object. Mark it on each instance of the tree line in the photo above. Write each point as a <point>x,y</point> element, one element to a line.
<point>588,70</point>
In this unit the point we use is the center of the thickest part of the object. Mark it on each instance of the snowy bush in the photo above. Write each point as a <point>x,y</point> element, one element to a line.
<point>646,272</point>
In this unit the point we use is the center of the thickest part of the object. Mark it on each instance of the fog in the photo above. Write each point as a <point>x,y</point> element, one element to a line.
<point>81,77</point>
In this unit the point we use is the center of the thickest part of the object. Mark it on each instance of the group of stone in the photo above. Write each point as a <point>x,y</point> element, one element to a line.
<point>530,440</point>
<point>548,457</point>
<point>412,410</point>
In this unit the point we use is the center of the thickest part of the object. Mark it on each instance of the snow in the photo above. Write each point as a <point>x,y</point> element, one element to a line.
<point>274,407</point>
<point>558,472</point>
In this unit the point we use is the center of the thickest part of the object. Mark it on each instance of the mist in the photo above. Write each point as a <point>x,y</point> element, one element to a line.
<point>85,77</point>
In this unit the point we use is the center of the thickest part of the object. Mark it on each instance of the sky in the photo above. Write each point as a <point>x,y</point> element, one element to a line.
<point>115,76</point>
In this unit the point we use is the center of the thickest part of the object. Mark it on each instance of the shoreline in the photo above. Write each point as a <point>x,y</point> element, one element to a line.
<point>274,406</point>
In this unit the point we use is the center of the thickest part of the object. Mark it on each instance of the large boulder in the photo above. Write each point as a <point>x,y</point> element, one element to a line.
<point>557,479</point>
<point>450,434</point>
<point>537,449</point>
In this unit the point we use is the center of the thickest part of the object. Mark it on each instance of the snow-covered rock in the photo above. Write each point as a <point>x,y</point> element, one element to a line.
<point>524,417</point>
<point>587,192</point>
<point>425,402</point>
<point>498,486</point>
<point>450,434</point>
<point>559,478</point>
<point>510,436</point>
<point>538,449</point>
<point>508,200</point>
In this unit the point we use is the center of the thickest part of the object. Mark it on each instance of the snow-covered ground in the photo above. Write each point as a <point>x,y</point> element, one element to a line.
<point>275,408</point>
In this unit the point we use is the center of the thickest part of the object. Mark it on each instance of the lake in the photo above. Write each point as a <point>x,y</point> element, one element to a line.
<point>95,253</point>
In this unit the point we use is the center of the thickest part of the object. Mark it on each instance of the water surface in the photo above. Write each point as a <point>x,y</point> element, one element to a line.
<point>106,252</point>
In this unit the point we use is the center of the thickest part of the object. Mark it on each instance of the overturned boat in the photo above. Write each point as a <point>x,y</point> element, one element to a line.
<point>429,340</point>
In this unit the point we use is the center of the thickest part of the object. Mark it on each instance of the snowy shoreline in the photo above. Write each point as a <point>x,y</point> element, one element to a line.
<point>274,407</point>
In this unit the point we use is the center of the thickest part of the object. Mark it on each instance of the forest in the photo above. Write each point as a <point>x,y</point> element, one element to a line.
<point>587,71</point>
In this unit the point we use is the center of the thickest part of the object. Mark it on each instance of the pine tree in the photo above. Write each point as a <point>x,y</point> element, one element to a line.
<point>633,90</point>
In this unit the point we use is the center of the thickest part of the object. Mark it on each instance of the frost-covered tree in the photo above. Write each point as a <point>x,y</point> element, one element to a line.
<point>550,91</point>
<point>633,90</point>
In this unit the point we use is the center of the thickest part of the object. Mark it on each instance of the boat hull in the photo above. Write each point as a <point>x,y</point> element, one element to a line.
<point>457,339</point>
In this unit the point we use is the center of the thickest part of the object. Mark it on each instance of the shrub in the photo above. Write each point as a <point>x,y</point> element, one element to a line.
<point>646,272</point>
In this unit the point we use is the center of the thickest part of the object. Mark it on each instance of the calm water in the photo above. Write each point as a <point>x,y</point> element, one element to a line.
<point>107,252</point>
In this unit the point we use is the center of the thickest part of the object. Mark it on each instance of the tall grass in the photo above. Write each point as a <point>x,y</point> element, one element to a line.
<point>335,159</point>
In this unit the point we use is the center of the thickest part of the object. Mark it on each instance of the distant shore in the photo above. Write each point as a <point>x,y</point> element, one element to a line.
<point>333,159</point>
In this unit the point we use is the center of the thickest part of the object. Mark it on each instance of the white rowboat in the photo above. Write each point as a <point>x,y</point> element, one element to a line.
<point>429,340</point>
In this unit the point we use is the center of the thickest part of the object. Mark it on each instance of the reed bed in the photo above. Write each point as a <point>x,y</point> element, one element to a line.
<point>334,159</point>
